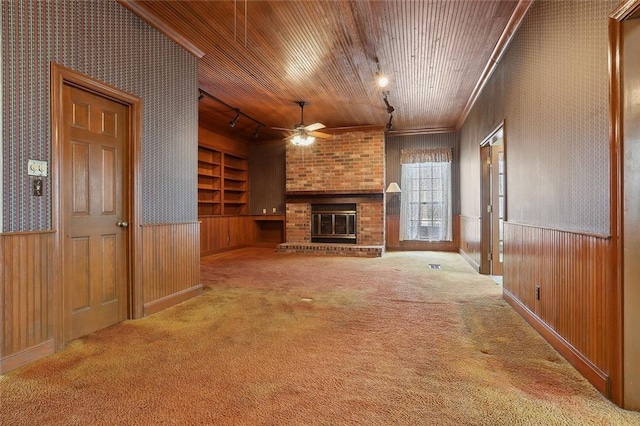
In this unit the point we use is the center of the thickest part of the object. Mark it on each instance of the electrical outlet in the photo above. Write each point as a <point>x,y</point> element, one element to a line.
<point>37,187</point>
<point>274,209</point>
<point>537,292</point>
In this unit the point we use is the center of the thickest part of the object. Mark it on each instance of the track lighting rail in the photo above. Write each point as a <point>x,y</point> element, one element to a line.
<point>234,109</point>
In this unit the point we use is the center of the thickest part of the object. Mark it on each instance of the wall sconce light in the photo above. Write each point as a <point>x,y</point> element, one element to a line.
<point>393,188</point>
<point>233,122</point>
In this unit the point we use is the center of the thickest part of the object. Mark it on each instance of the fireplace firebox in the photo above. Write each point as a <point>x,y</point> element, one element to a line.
<point>333,223</point>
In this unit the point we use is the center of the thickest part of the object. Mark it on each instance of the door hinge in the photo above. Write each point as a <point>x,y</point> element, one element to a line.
<point>489,160</point>
<point>490,256</point>
<point>489,208</point>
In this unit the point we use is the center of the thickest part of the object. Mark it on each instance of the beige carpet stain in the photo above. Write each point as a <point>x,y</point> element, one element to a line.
<point>280,339</point>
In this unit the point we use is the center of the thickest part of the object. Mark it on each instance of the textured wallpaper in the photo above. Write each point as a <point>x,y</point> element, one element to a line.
<point>104,40</point>
<point>551,89</point>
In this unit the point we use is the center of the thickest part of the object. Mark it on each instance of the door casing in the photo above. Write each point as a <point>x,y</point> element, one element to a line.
<point>60,76</point>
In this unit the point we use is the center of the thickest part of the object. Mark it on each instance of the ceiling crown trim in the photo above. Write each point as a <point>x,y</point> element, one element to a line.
<point>156,23</point>
<point>501,46</point>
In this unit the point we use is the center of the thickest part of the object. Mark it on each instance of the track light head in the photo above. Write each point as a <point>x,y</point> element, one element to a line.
<point>257,132</point>
<point>390,108</point>
<point>200,96</point>
<point>233,122</point>
<point>390,124</point>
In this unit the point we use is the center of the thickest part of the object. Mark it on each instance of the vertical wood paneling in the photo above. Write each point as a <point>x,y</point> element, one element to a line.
<point>26,299</point>
<point>220,233</point>
<point>267,177</point>
<point>470,240</point>
<point>573,273</point>
<point>170,263</point>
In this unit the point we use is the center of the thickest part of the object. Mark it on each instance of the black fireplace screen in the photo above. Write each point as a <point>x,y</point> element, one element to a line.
<point>333,223</point>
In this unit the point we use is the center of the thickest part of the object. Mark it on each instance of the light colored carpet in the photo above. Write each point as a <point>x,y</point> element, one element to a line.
<point>285,339</point>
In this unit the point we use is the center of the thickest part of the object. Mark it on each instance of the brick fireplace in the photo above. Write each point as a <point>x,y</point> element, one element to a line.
<point>348,169</point>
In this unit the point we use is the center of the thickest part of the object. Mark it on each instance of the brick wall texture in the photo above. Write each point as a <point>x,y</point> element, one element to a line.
<point>349,161</point>
<point>353,161</point>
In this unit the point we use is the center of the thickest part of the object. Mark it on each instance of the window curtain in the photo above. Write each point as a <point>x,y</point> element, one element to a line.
<point>425,209</point>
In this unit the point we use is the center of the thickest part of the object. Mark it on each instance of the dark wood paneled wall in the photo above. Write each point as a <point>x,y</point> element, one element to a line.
<point>26,299</point>
<point>222,143</point>
<point>470,247</point>
<point>267,165</point>
<point>573,311</point>
<point>170,264</point>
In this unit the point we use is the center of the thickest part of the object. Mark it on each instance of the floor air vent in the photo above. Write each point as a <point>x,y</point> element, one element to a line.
<point>435,266</point>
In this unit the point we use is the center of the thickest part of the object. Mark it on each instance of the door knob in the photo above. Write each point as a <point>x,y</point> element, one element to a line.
<point>123,224</point>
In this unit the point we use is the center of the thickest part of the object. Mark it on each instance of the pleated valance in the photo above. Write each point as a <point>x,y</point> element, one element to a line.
<point>411,156</point>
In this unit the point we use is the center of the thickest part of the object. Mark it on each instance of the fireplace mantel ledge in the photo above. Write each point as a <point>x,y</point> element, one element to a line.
<point>336,192</point>
<point>328,197</point>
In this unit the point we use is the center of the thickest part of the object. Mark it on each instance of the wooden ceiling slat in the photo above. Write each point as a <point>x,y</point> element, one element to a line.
<point>324,52</point>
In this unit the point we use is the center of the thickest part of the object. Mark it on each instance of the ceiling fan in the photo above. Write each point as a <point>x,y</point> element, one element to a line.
<point>302,134</point>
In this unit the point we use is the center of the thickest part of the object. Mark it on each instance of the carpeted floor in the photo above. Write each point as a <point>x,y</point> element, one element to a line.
<point>283,339</point>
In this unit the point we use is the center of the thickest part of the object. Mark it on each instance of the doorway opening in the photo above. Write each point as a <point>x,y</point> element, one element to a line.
<point>493,202</point>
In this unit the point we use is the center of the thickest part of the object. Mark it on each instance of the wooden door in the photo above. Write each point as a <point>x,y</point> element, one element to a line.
<point>493,202</point>
<point>486,217</point>
<point>94,196</point>
<point>498,206</point>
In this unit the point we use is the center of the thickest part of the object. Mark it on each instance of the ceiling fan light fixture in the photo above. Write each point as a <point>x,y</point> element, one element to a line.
<point>303,139</point>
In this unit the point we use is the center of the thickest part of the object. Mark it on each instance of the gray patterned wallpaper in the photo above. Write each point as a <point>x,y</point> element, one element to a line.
<point>551,89</point>
<point>104,40</point>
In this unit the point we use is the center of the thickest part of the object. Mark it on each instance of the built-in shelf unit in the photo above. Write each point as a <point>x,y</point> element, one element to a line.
<point>222,183</point>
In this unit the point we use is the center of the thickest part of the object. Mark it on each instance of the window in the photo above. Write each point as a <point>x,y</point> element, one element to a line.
<point>425,212</point>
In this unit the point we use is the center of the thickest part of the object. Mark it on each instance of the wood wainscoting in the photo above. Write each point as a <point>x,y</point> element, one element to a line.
<point>470,236</point>
<point>26,297</point>
<point>221,233</point>
<point>170,264</point>
<point>561,283</point>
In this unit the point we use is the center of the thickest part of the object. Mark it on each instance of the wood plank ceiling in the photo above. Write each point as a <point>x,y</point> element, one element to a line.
<point>262,56</point>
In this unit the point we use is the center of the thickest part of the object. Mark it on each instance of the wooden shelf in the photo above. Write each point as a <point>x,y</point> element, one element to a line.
<point>222,182</point>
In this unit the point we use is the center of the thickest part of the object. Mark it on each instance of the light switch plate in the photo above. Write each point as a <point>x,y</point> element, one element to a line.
<point>37,168</point>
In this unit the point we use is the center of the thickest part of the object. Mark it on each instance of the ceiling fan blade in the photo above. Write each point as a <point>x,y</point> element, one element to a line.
<point>321,135</point>
<point>314,127</point>
<point>282,129</point>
